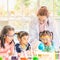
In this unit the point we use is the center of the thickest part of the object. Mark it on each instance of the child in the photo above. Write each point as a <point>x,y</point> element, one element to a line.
<point>47,43</point>
<point>6,39</point>
<point>23,42</point>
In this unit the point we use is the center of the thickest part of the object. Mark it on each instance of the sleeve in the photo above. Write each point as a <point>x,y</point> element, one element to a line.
<point>33,30</point>
<point>53,27</point>
<point>56,37</point>
<point>17,48</point>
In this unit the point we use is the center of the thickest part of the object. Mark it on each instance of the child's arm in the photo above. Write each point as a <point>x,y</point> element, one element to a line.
<point>11,49</point>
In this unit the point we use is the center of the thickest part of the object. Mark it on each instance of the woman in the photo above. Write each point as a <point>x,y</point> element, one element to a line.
<point>42,22</point>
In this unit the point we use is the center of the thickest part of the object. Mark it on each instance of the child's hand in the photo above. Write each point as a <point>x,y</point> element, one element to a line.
<point>11,53</point>
<point>48,43</point>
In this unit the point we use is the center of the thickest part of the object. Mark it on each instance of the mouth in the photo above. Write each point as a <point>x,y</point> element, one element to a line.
<point>45,43</point>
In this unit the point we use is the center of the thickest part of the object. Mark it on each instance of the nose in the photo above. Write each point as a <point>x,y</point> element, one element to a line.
<point>45,40</point>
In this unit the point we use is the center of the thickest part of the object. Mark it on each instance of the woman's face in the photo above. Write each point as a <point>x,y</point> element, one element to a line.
<point>9,36</point>
<point>42,19</point>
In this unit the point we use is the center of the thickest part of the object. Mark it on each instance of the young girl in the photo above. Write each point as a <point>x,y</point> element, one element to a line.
<point>23,44</point>
<point>47,43</point>
<point>6,39</point>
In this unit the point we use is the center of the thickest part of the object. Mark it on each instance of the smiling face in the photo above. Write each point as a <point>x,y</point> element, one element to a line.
<point>9,36</point>
<point>46,40</point>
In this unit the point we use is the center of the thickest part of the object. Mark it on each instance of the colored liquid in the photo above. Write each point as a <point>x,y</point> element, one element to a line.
<point>59,56</point>
<point>1,58</point>
<point>14,58</point>
<point>35,58</point>
<point>23,59</point>
<point>56,55</point>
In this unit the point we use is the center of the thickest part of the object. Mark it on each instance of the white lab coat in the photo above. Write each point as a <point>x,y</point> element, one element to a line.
<point>34,31</point>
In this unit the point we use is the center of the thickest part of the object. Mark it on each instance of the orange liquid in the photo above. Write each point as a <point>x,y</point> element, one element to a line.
<point>23,59</point>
